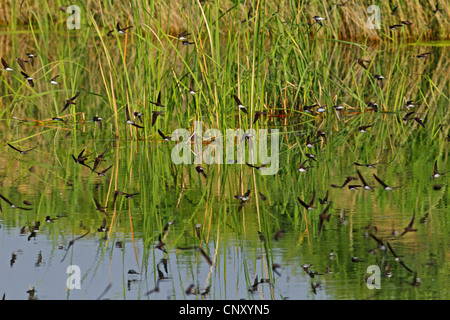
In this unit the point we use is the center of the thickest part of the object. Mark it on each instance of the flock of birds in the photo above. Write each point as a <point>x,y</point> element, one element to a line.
<point>138,123</point>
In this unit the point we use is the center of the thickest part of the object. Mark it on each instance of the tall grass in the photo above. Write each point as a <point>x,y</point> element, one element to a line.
<point>277,61</point>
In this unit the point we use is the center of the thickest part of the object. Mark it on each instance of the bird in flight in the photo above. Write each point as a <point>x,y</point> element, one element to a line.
<point>308,206</point>
<point>21,151</point>
<point>239,104</point>
<point>11,204</point>
<point>70,101</point>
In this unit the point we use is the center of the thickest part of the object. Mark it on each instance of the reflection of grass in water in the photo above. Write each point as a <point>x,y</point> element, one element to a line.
<point>279,70</point>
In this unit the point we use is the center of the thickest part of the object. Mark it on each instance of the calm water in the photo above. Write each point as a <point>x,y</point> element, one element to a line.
<point>58,187</point>
<point>230,240</point>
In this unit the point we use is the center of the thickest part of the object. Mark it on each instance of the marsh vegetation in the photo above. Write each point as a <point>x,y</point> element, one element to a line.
<point>194,237</point>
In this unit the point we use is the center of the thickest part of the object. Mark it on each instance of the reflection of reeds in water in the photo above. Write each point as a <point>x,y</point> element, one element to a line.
<point>281,70</point>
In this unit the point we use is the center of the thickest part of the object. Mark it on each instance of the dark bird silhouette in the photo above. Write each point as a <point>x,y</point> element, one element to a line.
<point>308,206</point>
<point>98,121</point>
<point>70,101</point>
<point>129,121</point>
<point>31,58</point>
<point>81,159</point>
<point>119,29</point>
<point>98,160</point>
<point>303,168</point>
<point>161,245</point>
<point>201,170</point>
<point>244,197</point>
<point>12,205</point>
<point>397,259</point>
<point>395,26</point>
<point>258,115</point>
<point>257,167</point>
<point>183,36</point>
<point>362,62</point>
<point>100,207</point>
<point>424,55</point>
<point>436,173</point>
<point>53,80</point>
<point>380,79</point>
<point>409,228</point>
<point>325,199</point>
<point>324,217</point>
<point>311,156</point>
<point>21,63</point>
<point>28,78</point>
<point>239,104</point>
<point>103,227</point>
<point>21,151</point>
<point>155,115</point>
<point>368,165</point>
<point>192,87</point>
<point>138,115</point>
<point>158,101</point>
<point>309,143</point>
<point>437,9</point>
<point>347,180</point>
<point>363,129</point>
<point>279,234</point>
<point>318,20</point>
<point>394,11</point>
<point>379,241</point>
<point>127,195</point>
<point>72,242</point>
<point>203,253</point>
<point>103,172</point>
<point>7,67</point>
<point>165,138</point>
<point>366,186</point>
<point>385,186</point>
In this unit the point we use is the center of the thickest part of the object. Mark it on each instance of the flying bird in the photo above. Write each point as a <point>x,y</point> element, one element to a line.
<point>53,80</point>
<point>409,228</point>
<point>319,20</point>
<point>70,101</point>
<point>98,120</point>
<point>366,186</point>
<point>21,63</point>
<point>397,259</point>
<point>385,186</point>
<point>201,170</point>
<point>303,168</point>
<point>239,104</point>
<point>258,115</point>
<point>21,151</point>
<point>308,206</point>
<point>28,78</point>
<point>158,101</point>
<point>155,115</point>
<point>368,165</point>
<point>7,68</point>
<point>324,217</point>
<point>362,62</point>
<point>72,242</point>
<point>31,58</point>
<point>165,138</point>
<point>436,173</point>
<point>119,29</point>
<point>129,121</point>
<point>12,205</point>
